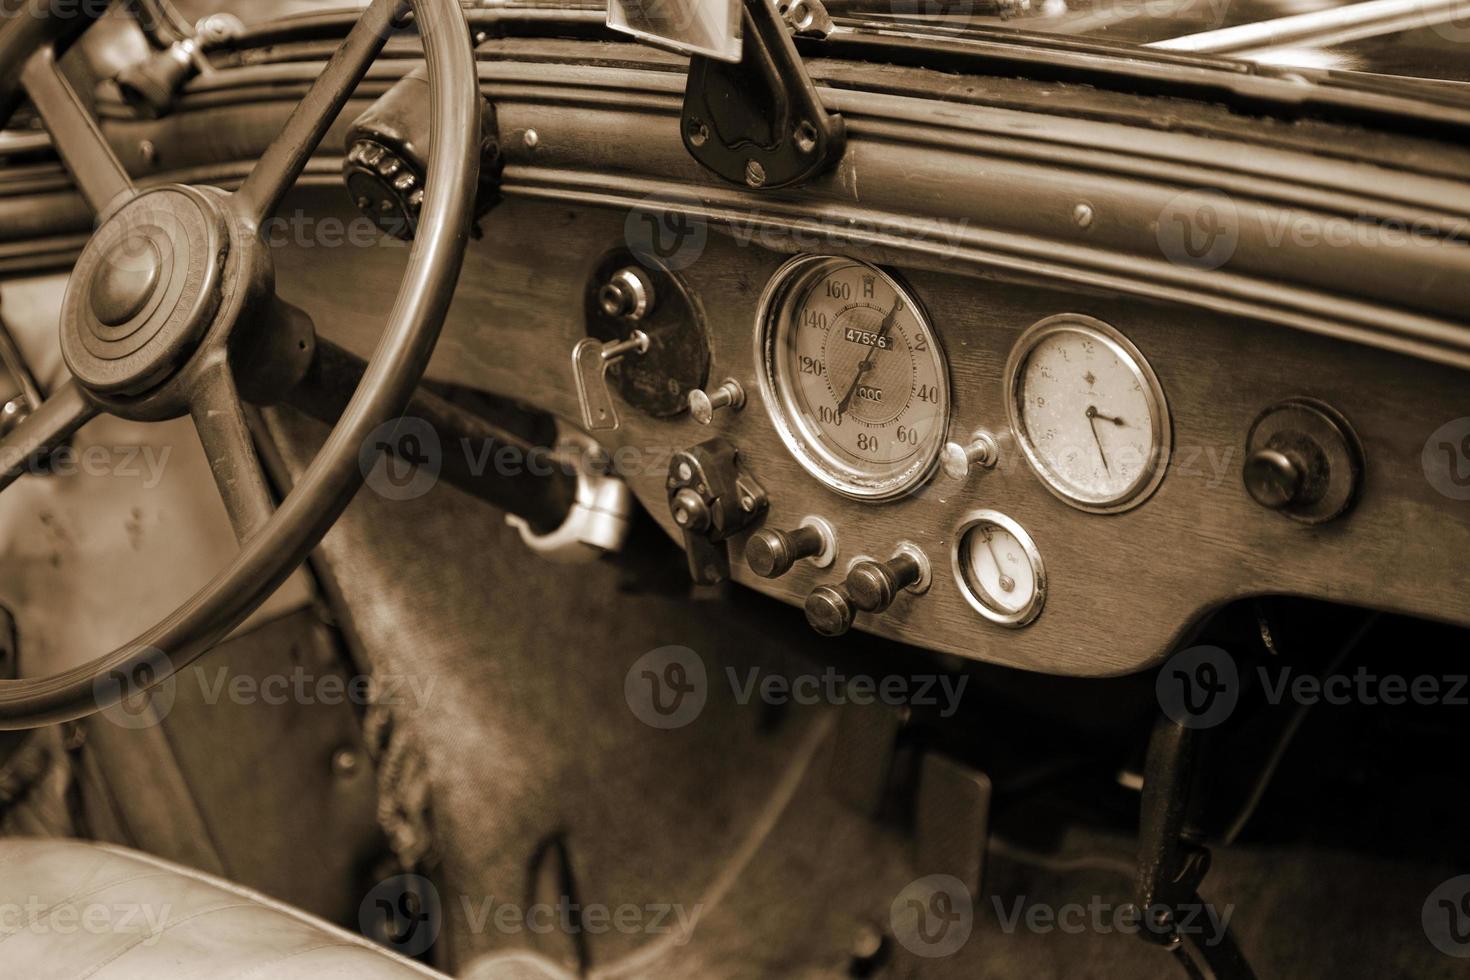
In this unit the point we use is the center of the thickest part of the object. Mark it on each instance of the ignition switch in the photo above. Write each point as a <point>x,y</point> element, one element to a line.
<point>711,499</point>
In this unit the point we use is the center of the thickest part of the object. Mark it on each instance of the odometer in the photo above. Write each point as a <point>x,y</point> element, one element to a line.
<point>853,376</point>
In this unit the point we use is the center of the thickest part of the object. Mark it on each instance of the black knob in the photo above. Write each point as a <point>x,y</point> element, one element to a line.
<point>1289,472</point>
<point>1274,478</point>
<point>771,553</point>
<point>829,610</point>
<point>874,585</point>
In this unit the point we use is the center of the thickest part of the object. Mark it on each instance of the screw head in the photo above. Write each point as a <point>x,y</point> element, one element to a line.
<point>806,136</point>
<point>698,132</point>
<point>755,174</point>
<point>1083,215</point>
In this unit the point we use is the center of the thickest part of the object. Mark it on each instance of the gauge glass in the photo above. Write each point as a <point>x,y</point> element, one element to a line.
<point>1089,413</point>
<point>853,376</point>
<point>999,569</point>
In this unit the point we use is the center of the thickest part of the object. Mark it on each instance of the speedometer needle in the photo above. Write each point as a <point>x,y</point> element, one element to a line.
<point>866,364</point>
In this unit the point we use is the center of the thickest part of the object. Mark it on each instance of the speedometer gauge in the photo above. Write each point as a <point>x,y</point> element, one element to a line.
<point>853,376</point>
<point>1089,413</point>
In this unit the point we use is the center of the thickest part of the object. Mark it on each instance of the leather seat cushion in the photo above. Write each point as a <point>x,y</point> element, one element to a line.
<point>71,909</point>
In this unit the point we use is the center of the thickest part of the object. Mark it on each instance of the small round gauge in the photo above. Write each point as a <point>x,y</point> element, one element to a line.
<point>999,569</point>
<point>1089,413</point>
<point>853,376</point>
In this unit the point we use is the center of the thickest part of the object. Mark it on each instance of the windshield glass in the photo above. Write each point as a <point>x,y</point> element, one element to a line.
<point>1412,38</point>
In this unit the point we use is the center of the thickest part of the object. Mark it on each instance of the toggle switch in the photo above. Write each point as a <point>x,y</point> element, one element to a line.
<point>771,553</point>
<point>703,405</point>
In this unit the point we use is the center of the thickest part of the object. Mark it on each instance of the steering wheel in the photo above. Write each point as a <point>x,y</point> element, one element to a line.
<point>170,311</point>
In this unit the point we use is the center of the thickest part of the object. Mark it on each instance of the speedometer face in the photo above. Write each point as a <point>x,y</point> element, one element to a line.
<point>1089,413</point>
<point>853,376</point>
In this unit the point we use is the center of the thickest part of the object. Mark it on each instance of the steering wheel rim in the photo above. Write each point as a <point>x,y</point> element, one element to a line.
<point>271,550</point>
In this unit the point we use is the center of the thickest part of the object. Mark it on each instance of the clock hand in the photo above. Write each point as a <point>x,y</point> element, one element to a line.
<point>1106,418</point>
<point>1092,421</point>
<point>866,364</point>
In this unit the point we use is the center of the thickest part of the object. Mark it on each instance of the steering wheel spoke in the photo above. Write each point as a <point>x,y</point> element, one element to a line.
<point>285,158</point>
<point>219,418</point>
<point>75,134</point>
<point>44,430</point>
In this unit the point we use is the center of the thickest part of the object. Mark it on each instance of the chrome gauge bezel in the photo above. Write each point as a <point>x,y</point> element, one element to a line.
<point>1152,474</point>
<point>797,430</point>
<point>972,591</point>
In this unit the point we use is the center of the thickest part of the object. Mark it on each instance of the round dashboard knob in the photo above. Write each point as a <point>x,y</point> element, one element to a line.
<point>771,553</point>
<point>829,610</point>
<point>1273,478</point>
<point>874,585</point>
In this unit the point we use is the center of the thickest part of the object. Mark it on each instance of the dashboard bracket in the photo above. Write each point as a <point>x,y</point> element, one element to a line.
<point>760,122</point>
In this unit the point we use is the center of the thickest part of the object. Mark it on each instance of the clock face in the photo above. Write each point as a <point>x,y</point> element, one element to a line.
<point>1089,413</point>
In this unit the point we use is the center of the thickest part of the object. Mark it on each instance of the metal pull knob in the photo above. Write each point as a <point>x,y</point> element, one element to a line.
<point>874,585</point>
<point>771,553</point>
<point>829,610</point>
<point>871,586</point>
<point>703,405</point>
<point>957,460</point>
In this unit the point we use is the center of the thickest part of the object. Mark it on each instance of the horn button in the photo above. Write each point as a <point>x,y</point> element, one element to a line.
<point>145,290</point>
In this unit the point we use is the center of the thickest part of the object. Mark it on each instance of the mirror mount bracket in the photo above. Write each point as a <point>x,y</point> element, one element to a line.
<point>761,122</point>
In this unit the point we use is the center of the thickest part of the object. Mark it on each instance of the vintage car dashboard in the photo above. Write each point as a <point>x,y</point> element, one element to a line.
<point>1040,376</point>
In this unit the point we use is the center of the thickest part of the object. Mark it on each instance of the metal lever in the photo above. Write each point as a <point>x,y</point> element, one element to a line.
<point>590,360</point>
<point>1170,865</point>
